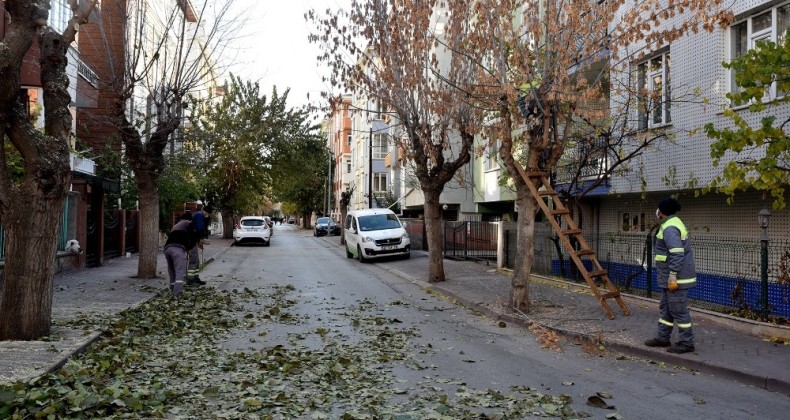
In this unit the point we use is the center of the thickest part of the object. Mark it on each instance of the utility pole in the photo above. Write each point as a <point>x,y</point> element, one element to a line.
<point>370,169</point>
<point>328,184</point>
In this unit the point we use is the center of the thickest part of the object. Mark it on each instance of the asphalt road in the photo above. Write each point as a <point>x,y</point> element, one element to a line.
<point>326,298</point>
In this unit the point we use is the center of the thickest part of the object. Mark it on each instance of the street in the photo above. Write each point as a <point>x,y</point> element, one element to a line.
<point>367,337</point>
<point>297,330</point>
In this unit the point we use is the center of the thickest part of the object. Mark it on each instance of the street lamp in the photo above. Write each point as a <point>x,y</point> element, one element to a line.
<point>763,218</point>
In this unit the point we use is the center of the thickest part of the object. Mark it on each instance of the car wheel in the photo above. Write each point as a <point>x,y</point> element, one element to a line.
<point>360,255</point>
<point>406,256</point>
<point>348,253</point>
<point>269,242</point>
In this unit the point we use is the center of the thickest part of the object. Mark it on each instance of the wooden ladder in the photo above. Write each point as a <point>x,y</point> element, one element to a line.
<point>573,231</point>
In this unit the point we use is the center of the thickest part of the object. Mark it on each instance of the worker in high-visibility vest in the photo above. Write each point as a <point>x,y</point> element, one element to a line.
<point>675,275</point>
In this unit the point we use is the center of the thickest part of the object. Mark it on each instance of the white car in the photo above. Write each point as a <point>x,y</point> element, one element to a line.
<point>252,229</point>
<point>374,233</point>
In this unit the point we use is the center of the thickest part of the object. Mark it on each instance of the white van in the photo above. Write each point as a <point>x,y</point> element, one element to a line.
<point>373,233</point>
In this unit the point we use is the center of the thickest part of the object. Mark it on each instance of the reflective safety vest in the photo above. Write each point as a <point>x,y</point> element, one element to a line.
<point>672,245</point>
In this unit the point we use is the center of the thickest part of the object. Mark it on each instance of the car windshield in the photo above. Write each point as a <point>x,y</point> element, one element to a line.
<point>252,222</point>
<point>323,221</point>
<point>378,222</point>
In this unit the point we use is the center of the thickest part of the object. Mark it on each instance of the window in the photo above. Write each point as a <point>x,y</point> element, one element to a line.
<point>59,15</point>
<point>654,91</point>
<point>380,182</point>
<point>348,166</point>
<point>767,26</point>
<point>379,146</point>
<point>490,157</point>
<point>348,139</point>
<point>633,222</point>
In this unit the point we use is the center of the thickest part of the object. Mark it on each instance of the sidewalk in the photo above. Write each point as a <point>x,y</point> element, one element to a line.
<point>726,346</point>
<point>86,293</point>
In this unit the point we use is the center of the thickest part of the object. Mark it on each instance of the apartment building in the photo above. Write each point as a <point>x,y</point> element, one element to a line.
<point>693,63</point>
<point>689,69</point>
<point>339,142</point>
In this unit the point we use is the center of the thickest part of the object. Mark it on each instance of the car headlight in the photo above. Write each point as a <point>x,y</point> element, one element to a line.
<point>367,239</point>
<point>405,235</point>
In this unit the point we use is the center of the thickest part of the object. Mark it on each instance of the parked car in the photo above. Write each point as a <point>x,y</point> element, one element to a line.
<point>252,229</point>
<point>373,233</point>
<point>326,225</point>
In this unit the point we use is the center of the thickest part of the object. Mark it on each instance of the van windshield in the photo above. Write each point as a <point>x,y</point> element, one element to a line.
<point>378,222</point>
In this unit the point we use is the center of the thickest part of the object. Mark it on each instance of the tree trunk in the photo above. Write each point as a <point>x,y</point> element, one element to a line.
<point>149,226</point>
<point>32,208</point>
<point>525,249</point>
<point>527,208</point>
<point>342,222</point>
<point>227,226</point>
<point>31,246</point>
<point>433,228</point>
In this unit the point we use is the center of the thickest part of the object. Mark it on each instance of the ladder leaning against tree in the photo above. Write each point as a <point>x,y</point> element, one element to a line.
<point>536,179</point>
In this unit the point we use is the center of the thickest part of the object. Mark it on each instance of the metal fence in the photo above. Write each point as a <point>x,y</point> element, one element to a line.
<point>470,240</point>
<point>728,271</point>
<point>62,234</point>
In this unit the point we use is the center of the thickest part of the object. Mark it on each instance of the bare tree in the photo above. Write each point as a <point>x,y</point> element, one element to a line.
<point>34,166</point>
<point>150,57</point>
<point>404,55</point>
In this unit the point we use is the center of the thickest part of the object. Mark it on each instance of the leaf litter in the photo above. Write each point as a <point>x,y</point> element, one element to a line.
<point>165,359</point>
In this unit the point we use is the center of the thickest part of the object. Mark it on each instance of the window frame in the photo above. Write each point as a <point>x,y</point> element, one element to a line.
<point>770,34</point>
<point>636,222</point>
<point>491,158</point>
<point>380,178</point>
<point>647,74</point>
<point>379,146</point>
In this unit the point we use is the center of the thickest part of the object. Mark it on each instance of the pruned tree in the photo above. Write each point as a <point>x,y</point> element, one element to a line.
<point>34,165</point>
<point>408,56</point>
<point>345,200</point>
<point>756,153</point>
<point>150,58</point>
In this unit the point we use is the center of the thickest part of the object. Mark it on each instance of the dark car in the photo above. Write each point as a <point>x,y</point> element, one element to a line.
<point>326,225</point>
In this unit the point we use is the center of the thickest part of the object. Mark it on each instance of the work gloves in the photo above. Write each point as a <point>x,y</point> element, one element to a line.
<point>672,283</point>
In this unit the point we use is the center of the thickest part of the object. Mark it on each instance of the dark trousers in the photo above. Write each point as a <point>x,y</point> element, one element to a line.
<point>674,310</point>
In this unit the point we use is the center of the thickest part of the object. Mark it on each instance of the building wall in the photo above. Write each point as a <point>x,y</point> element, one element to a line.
<point>707,215</point>
<point>102,48</point>
<point>699,84</point>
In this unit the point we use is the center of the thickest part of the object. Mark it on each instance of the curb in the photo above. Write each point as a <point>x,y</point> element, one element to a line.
<point>97,335</point>
<point>767,383</point>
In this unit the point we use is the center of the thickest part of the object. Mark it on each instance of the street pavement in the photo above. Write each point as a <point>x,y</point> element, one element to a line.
<point>727,347</point>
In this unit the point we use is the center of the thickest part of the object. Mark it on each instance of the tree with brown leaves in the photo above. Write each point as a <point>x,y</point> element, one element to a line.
<point>397,53</point>
<point>553,75</point>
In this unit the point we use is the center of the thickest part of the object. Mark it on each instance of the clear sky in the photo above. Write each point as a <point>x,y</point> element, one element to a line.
<point>273,49</point>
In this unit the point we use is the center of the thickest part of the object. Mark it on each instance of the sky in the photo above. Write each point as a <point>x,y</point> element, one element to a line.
<point>274,51</point>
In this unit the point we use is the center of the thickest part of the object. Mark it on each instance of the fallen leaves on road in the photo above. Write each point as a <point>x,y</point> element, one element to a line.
<point>166,359</point>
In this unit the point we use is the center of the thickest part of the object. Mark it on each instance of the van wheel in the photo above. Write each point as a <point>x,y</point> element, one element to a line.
<point>360,255</point>
<point>348,253</point>
<point>406,256</point>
